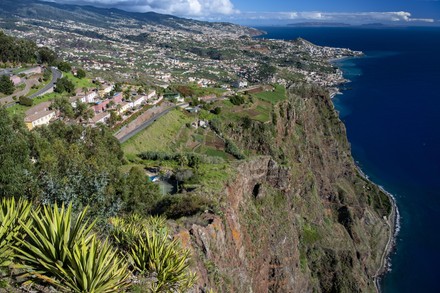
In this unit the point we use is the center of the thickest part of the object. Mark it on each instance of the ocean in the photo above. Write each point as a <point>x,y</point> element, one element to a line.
<point>391,109</point>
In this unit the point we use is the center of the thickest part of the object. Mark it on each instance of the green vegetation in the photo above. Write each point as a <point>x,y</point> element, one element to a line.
<point>80,73</point>
<point>80,83</point>
<point>151,252</point>
<point>6,85</point>
<point>13,214</point>
<point>49,246</point>
<point>64,66</point>
<point>159,136</point>
<point>275,96</point>
<point>64,85</point>
<point>16,50</point>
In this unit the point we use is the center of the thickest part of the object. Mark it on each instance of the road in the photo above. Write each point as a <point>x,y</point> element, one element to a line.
<point>56,74</point>
<point>9,101</point>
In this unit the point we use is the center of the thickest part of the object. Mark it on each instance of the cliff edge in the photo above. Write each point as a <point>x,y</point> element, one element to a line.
<point>297,216</point>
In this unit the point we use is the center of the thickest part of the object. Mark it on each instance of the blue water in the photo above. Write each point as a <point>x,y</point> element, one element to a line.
<point>392,115</point>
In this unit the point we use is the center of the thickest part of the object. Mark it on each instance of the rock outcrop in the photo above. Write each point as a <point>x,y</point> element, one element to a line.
<point>298,216</point>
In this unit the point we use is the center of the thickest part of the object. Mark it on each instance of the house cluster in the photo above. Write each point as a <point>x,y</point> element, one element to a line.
<point>101,100</point>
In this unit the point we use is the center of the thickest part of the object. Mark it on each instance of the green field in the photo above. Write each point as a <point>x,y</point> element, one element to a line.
<point>279,94</point>
<point>160,136</point>
<point>79,83</point>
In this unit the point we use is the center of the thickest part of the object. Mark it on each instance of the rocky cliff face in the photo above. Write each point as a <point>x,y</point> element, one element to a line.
<point>298,217</point>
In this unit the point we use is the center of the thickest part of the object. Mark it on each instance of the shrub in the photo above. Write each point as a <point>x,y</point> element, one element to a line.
<point>25,101</point>
<point>237,100</point>
<point>232,149</point>
<point>175,207</point>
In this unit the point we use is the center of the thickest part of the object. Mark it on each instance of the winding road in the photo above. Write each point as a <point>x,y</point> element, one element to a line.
<point>56,74</point>
<point>9,101</point>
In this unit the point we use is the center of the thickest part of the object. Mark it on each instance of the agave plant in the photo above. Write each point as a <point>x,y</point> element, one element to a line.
<point>153,254</point>
<point>63,252</point>
<point>95,267</point>
<point>157,256</point>
<point>127,231</point>
<point>12,213</point>
<point>51,238</point>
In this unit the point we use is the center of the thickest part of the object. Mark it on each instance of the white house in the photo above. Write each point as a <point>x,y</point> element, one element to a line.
<point>90,96</point>
<point>40,118</point>
<point>101,117</point>
<point>138,101</point>
<point>151,94</point>
<point>124,107</point>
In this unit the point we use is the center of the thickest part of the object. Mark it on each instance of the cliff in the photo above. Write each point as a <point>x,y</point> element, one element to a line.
<point>297,216</point>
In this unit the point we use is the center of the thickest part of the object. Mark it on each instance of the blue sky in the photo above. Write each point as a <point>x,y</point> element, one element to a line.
<point>405,12</point>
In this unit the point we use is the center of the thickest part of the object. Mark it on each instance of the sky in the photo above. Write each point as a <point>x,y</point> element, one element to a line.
<point>265,12</point>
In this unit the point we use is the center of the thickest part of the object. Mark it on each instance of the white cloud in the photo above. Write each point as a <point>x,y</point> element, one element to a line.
<point>348,17</point>
<point>189,8</point>
<point>223,10</point>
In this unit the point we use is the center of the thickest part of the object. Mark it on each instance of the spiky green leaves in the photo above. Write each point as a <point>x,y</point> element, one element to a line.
<point>153,254</point>
<point>12,213</point>
<point>61,250</point>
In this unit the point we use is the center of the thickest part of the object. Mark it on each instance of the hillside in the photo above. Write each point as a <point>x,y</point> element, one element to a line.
<point>294,215</point>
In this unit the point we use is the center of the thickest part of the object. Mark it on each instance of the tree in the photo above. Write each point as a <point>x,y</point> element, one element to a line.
<point>25,101</point>
<point>64,66</point>
<point>139,195</point>
<point>217,110</point>
<point>6,85</point>
<point>80,73</point>
<point>46,55</point>
<point>64,106</point>
<point>64,85</point>
<point>47,74</point>
<point>16,169</point>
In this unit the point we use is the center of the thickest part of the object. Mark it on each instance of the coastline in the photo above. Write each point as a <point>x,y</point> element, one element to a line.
<point>393,220</point>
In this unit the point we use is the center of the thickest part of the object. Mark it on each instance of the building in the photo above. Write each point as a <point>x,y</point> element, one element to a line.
<point>117,98</point>
<point>240,84</point>
<point>40,118</point>
<point>105,88</point>
<point>44,106</point>
<point>139,100</point>
<point>101,106</point>
<point>151,94</point>
<point>15,79</point>
<point>101,118</point>
<point>90,96</point>
<point>125,106</point>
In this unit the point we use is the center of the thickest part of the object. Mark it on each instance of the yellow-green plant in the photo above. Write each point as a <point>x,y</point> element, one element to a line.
<point>156,255</point>
<point>62,251</point>
<point>95,267</point>
<point>12,212</point>
<point>153,253</point>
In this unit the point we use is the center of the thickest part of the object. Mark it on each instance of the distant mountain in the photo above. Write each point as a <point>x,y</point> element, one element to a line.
<point>11,10</point>
<point>305,24</point>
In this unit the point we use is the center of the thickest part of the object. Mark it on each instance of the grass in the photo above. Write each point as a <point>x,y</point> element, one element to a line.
<point>160,136</point>
<point>79,83</point>
<point>215,153</point>
<point>20,109</point>
<point>279,94</point>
